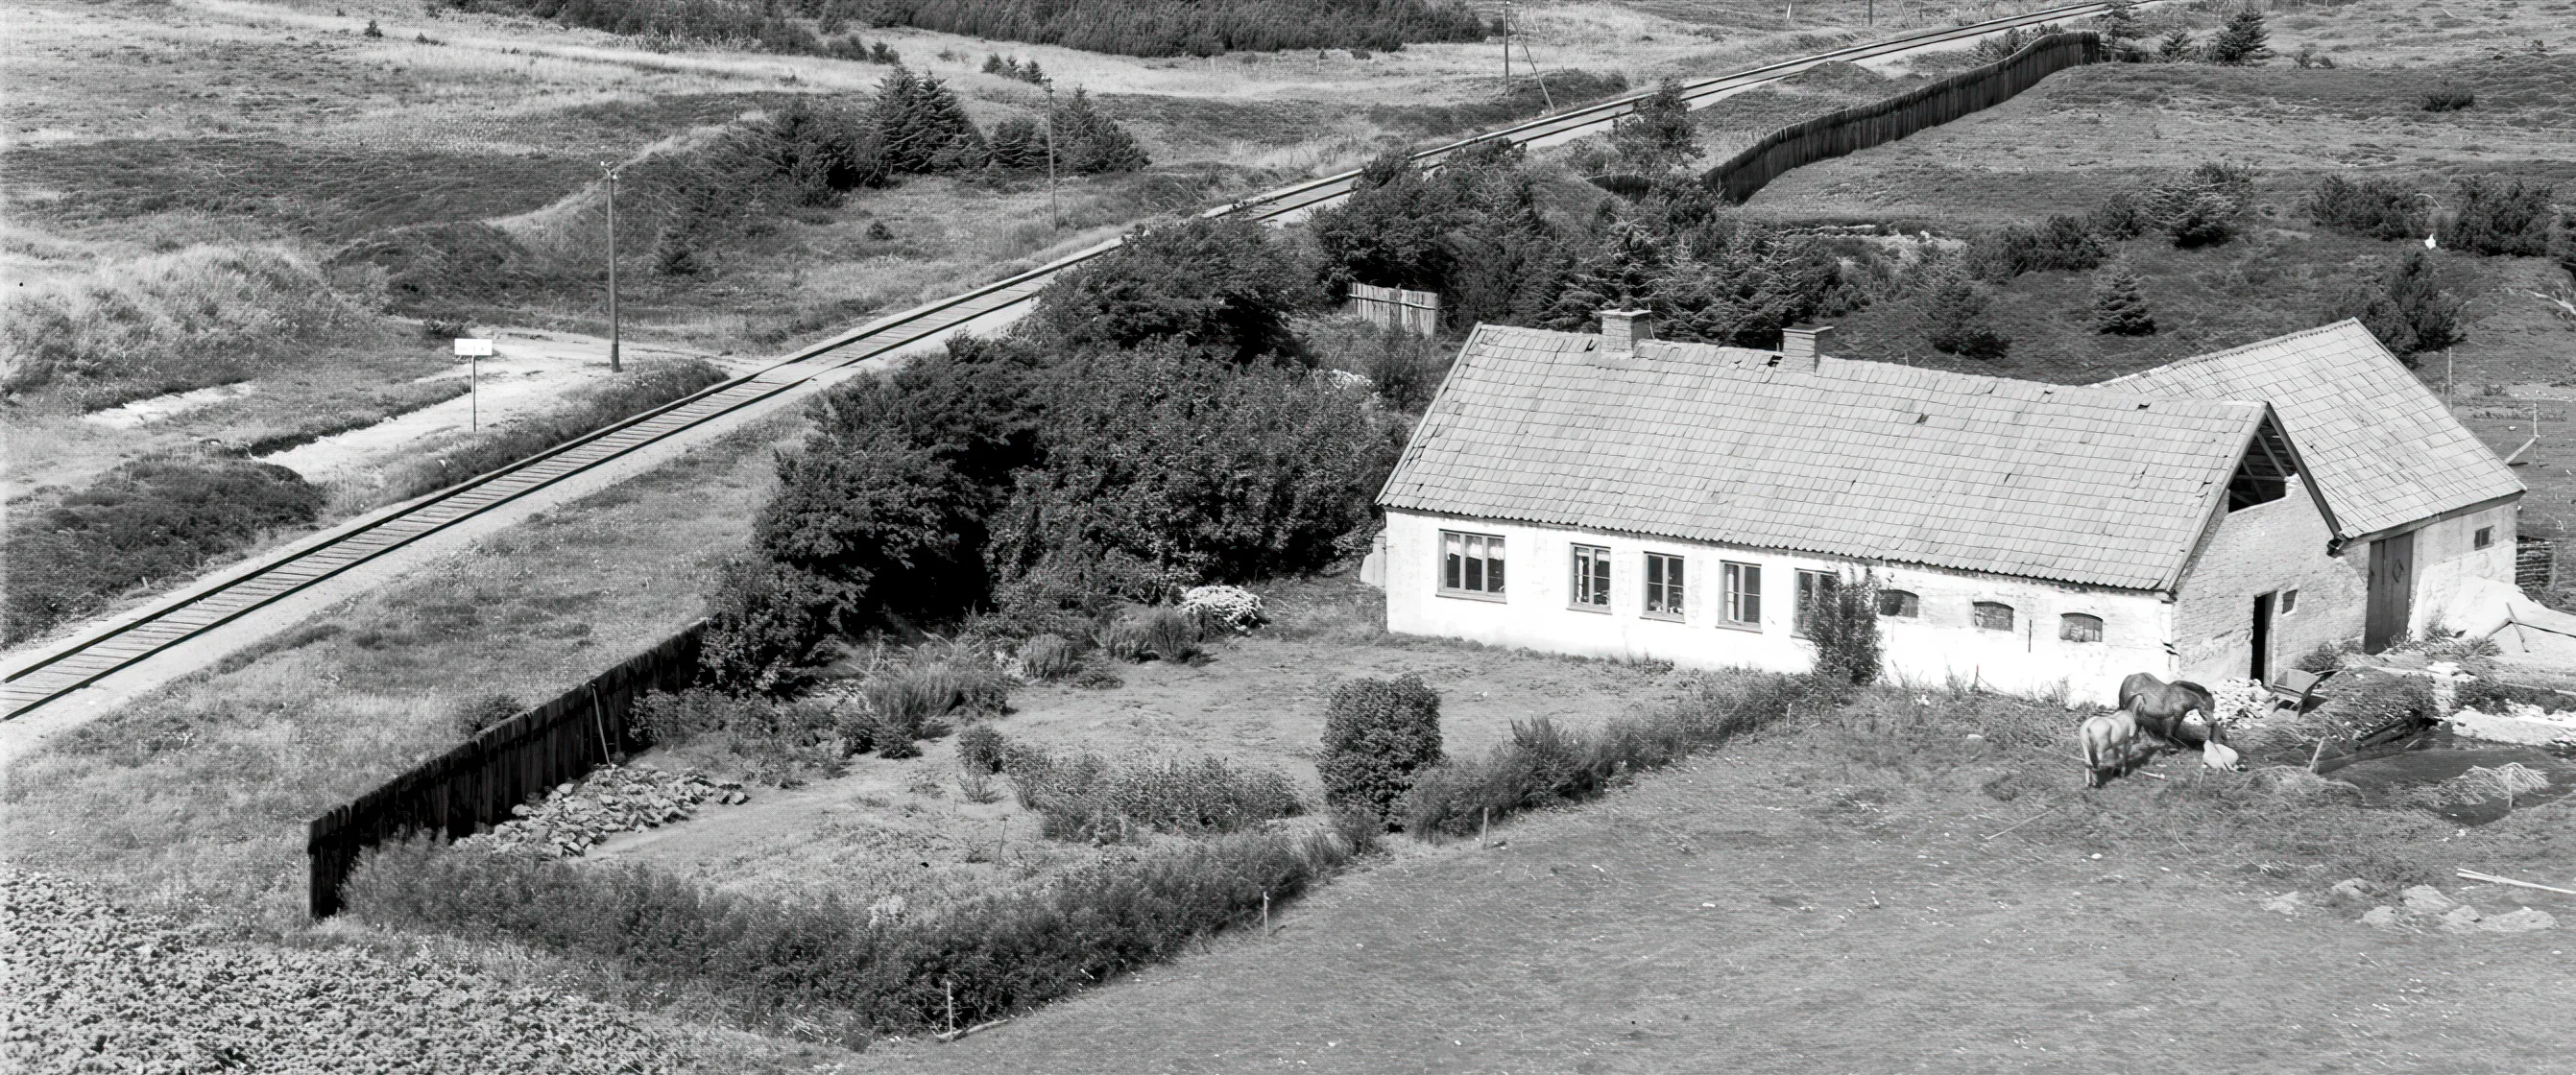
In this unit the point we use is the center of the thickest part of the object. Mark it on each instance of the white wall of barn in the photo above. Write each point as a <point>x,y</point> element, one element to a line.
<point>1942,643</point>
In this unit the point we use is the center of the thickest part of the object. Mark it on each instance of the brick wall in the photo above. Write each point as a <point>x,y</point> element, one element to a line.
<point>2268,548</point>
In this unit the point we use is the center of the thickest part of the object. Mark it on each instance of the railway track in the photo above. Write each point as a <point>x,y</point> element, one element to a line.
<point>49,673</point>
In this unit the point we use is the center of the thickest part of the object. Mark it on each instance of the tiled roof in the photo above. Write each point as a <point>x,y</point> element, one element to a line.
<point>2381,448</point>
<point>1858,459</point>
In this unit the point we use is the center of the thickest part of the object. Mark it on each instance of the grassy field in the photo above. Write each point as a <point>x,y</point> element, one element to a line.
<point>194,798</point>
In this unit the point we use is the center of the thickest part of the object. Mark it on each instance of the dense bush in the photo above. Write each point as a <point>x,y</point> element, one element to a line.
<point>1090,798</point>
<point>980,749</point>
<point>1224,285</point>
<point>777,743</point>
<point>824,963</point>
<point>151,520</point>
<point>1145,634</point>
<point>1379,734</point>
<point>1472,232</point>
<point>2376,208</point>
<point>2203,207</point>
<point>1844,627</point>
<point>1050,657</point>
<point>1172,28</point>
<point>1087,142</point>
<point>2064,242</point>
<point>2447,99</point>
<point>2407,307</point>
<point>1722,281</point>
<point>906,699</point>
<point>640,389</point>
<point>2120,305</point>
<point>2507,217</point>
<point>473,715</point>
<point>1957,322</point>
<point>1545,765</point>
<point>164,323</point>
<point>1657,136</point>
<point>1165,470</point>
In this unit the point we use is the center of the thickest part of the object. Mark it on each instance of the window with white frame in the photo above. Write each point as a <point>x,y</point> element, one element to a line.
<point>1994,616</point>
<point>1591,578</point>
<point>1814,589</point>
<point>1471,565</point>
<point>1743,586</point>
<point>2078,627</point>
<point>1663,586</point>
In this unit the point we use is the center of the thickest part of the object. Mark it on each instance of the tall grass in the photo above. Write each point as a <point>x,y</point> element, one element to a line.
<point>165,323</point>
<point>647,387</point>
<point>1088,797</point>
<point>1545,765</point>
<point>825,963</point>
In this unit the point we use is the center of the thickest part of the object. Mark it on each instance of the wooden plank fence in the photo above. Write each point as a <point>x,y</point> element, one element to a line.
<point>1879,122</point>
<point>1417,312</point>
<point>2535,562</point>
<point>458,793</point>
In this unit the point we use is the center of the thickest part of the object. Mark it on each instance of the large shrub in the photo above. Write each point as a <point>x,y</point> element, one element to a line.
<point>1472,232</point>
<point>1167,469</point>
<point>1225,285</point>
<point>1721,281</point>
<point>1956,321</point>
<point>1844,627</point>
<point>1658,135</point>
<point>2407,307</point>
<point>1378,733</point>
<point>2375,208</point>
<point>150,521</point>
<point>2242,42</point>
<point>1545,765</point>
<point>824,964</point>
<point>921,126</point>
<point>2507,217</point>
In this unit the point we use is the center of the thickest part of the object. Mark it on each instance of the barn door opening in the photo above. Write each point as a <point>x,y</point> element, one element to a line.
<point>2392,591</point>
<point>2262,662</point>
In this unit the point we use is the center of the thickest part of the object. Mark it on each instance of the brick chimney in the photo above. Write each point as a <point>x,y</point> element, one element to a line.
<point>1624,329</point>
<point>1806,341</point>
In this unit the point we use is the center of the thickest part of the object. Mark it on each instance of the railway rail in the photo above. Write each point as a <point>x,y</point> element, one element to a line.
<point>51,672</point>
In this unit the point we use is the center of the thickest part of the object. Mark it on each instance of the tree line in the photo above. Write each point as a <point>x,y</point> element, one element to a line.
<point>1188,27</point>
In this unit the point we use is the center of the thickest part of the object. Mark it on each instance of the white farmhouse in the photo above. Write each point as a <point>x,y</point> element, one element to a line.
<point>1613,495</point>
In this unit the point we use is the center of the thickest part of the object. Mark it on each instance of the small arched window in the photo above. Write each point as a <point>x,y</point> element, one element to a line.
<point>2078,627</point>
<point>1899,603</point>
<point>1994,616</point>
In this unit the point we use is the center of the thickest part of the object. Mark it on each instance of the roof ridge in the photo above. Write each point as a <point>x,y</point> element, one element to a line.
<point>2241,348</point>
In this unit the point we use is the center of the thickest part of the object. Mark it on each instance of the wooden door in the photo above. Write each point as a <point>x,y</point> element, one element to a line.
<point>2392,591</point>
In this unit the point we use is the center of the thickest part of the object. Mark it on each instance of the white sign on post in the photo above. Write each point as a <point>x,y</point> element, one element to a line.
<point>474,351</point>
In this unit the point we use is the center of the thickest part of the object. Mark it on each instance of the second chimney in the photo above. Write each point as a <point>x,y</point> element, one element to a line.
<point>1624,329</point>
<point>1806,341</point>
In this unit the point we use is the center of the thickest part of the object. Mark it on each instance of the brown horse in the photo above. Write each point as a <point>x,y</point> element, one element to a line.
<point>2162,710</point>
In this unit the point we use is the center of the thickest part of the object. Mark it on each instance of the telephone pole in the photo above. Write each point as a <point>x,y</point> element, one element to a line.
<point>611,172</point>
<point>1507,46</point>
<point>1055,217</point>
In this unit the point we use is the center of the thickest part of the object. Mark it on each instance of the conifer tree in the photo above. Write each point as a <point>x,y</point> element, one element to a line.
<point>1621,273</point>
<point>2242,42</point>
<point>922,128</point>
<point>2176,47</point>
<point>2120,306</point>
<point>1088,142</point>
<point>1957,323</point>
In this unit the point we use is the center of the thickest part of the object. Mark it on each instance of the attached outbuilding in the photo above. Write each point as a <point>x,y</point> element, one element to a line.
<point>1613,495</point>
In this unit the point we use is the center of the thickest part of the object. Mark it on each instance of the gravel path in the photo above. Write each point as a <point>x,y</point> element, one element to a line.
<point>91,988</point>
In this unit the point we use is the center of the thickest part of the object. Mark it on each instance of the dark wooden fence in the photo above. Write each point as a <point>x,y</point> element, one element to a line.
<point>1862,126</point>
<point>474,785</point>
<point>2534,562</point>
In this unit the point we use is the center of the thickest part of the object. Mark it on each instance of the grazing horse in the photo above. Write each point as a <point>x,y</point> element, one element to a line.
<point>2162,710</point>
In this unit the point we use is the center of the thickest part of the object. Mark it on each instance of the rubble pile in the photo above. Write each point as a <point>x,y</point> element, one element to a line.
<point>610,800</point>
<point>94,988</point>
<point>2425,905</point>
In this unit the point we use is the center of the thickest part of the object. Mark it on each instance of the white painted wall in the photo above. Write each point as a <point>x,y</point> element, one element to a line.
<point>1942,643</point>
<point>2446,558</point>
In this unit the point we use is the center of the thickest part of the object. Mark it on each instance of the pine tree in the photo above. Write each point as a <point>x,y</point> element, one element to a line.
<point>2242,42</point>
<point>1658,136</point>
<point>922,128</point>
<point>2409,310</point>
<point>2120,23</point>
<point>1956,312</point>
<point>2176,47</point>
<point>2120,306</point>
<point>1621,273</point>
<point>1088,142</point>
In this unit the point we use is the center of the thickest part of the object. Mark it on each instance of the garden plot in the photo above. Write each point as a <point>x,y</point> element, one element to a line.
<point>907,827</point>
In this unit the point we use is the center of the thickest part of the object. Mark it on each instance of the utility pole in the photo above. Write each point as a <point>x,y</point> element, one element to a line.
<point>1055,217</point>
<point>1507,46</point>
<point>611,172</point>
